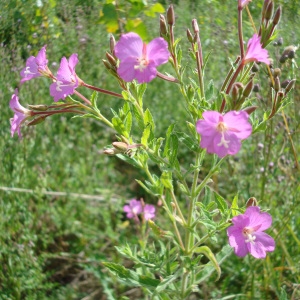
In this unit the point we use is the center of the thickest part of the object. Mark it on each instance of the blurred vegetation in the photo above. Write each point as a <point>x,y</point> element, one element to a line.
<point>52,246</point>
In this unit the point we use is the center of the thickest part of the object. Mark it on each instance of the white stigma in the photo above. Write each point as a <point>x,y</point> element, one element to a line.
<point>142,64</point>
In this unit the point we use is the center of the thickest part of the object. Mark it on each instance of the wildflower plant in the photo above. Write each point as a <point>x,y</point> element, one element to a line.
<point>216,127</point>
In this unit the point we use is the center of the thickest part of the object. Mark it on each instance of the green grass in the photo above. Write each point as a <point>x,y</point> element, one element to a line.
<point>52,247</point>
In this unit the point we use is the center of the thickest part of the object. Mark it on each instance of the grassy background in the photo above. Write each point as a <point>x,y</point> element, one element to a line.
<point>52,246</point>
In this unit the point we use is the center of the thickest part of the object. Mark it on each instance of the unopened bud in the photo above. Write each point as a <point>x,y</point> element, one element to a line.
<point>266,3</point>
<point>276,72</point>
<point>109,151</point>
<point>251,202</point>
<point>249,110</point>
<point>269,11</point>
<point>106,64</point>
<point>40,107</point>
<point>255,68</point>
<point>277,16</point>
<point>248,89</point>
<point>112,44</point>
<point>285,83</point>
<point>37,120</point>
<point>236,91</point>
<point>120,146</point>
<point>189,36</point>
<point>291,54</point>
<point>163,25</point>
<point>171,15</point>
<point>283,59</point>
<point>256,88</point>
<point>195,26</point>
<point>111,59</point>
<point>290,86</point>
<point>276,84</point>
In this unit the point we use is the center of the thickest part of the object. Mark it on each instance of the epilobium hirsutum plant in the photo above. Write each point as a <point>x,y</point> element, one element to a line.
<point>216,128</point>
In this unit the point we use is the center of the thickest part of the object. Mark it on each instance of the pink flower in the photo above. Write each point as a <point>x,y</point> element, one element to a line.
<point>66,79</point>
<point>149,211</point>
<point>222,134</point>
<point>138,60</point>
<point>133,209</point>
<point>21,113</point>
<point>243,3</point>
<point>36,66</point>
<point>255,52</point>
<point>247,236</point>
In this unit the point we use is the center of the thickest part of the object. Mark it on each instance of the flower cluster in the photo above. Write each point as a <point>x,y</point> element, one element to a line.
<point>137,207</point>
<point>247,236</point>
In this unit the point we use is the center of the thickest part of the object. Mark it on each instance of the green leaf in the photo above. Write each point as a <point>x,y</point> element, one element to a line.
<point>148,119</point>
<point>208,253</point>
<point>191,143</point>
<point>128,160</point>
<point>119,126</point>
<point>173,149</point>
<point>94,101</point>
<point>145,136</point>
<point>221,203</point>
<point>130,277</point>
<point>209,93</point>
<point>235,206</point>
<point>154,9</point>
<point>167,146</point>
<point>166,180</point>
<point>140,121</point>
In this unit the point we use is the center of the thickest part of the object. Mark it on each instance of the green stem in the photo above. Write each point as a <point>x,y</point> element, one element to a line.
<point>178,210</point>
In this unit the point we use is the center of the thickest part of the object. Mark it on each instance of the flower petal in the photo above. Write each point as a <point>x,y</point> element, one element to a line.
<point>258,220</point>
<point>157,51</point>
<point>129,45</point>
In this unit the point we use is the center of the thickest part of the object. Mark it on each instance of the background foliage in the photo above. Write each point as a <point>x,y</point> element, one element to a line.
<point>52,245</point>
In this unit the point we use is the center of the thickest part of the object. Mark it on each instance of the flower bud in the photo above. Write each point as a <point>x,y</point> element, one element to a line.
<point>269,11</point>
<point>195,26</point>
<point>266,3</point>
<point>111,59</point>
<point>120,146</point>
<point>277,16</point>
<point>112,43</point>
<point>163,25</point>
<point>171,15</point>
<point>256,88</point>
<point>280,41</point>
<point>236,91</point>
<point>276,84</point>
<point>40,107</point>
<point>285,83</point>
<point>276,72</point>
<point>189,36</point>
<point>37,120</point>
<point>291,54</point>
<point>290,86</point>
<point>248,89</point>
<point>110,151</point>
<point>106,64</point>
<point>251,202</point>
<point>249,110</point>
<point>283,59</point>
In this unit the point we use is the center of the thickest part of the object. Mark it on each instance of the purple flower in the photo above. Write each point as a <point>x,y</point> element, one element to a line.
<point>138,60</point>
<point>66,79</point>
<point>134,208</point>
<point>255,52</point>
<point>21,113</point>
<point>222,134</point>
<point>149,211</point>
<point>36,66</point>
<point>246,234</point>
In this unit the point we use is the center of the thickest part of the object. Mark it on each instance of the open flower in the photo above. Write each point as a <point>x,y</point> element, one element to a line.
<point>36,66</point>
<point>222,134</point>
<point>66,79</point>
<point>247,236</point>
<point>21,113</point>
<point>138,60</point>
<point>255,51</point>
<point>134,208</point>
<point>149,211</point>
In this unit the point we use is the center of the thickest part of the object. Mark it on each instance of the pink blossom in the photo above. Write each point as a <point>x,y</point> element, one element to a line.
<point>36,66</point>
<point>138,60</point>
<point>66,79</point>
<point>149,211</point>
<point>21,113</point>
<point>243,3</point>
<point>255,52</point>
<point>247,236</point>
<point>222,134</point>
<point>134,208</point>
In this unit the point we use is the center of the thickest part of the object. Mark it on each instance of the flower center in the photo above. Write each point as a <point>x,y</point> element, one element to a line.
<point>221,127</point>
<point>247,232</point>
<point>142,64</point>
